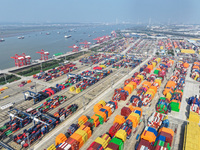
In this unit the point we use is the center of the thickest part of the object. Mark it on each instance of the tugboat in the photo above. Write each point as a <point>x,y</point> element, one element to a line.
<point>48,33</point>
<point>2,40</point>
<point>89,35</point>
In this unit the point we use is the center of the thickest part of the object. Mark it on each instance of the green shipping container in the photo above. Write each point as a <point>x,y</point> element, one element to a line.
<point>118,142</point>
<point>168,146</point>
<point>3,128</point>
<point>156,71</point>
<point>100,119</point>
<point>174,106</point>
<point>156,142</point>
<point>161,143</point>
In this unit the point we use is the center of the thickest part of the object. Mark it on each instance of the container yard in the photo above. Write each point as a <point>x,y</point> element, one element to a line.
<point>122,96</point>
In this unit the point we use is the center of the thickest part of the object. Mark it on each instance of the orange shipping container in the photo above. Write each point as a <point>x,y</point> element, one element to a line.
<point>131,107</point>
<point>133,120</point>
<point>149,136</point>
<point>28,81</point>
<point>119,119</point>
<point>86,129</point>
<point>138,108</point>
<point>108,109</point>
<point>128,89</point>
<point>60,138</point>
<point>78,138</point>
<point>96,120</point>
<point>146,83</point>
<point>102,114</point>
<point>97,107</point>
<point>134,84</point>
<point>167,130</point>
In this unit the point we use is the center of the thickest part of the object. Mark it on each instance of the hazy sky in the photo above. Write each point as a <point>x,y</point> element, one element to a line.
<point>50,11</point>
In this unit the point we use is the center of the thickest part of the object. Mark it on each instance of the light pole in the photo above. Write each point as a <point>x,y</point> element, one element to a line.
<point>27,134</point>
<point>5,77</point>
<point>41,65</point>
<point>35,88</point>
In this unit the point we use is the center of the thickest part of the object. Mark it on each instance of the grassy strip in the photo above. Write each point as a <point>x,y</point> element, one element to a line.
<point>9,78</point>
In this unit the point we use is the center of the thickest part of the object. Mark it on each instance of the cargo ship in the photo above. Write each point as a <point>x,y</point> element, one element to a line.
<point>2,40</point>
<point>67,36</point>
<point>21,37</point>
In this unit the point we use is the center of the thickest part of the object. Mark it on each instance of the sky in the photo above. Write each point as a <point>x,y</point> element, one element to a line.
<point>100,11</point>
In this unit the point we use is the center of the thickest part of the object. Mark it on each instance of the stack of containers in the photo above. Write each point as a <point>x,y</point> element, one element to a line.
<point>135,116</point>
<point>152,78</point>
<point>120,94</point>
<point>155,120</point>
<point>130,87</point>
<point>148,136</point>
<point>81,135</point>
<point>149,95</point>
<point>194,103</point>
<point>99,105</point>
<point>143,89</point>
<point>174,88</point>
<point>126,111</point>
<point>83,119</point>
<point>164,139</point>
<point>60,138</point>
<point>100,142</point>
<point>195,71</point>
<point>163,106</point>
<point>136,101</point>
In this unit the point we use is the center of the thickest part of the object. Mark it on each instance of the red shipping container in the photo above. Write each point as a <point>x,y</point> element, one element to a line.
<point>113,146</point>
<point>63,146</point>
<point>125,111</point>
<point>95,146</point>
<point>74,143</point>
<point>114,129</point>
<point>145,143</point>
<point>168,136</point>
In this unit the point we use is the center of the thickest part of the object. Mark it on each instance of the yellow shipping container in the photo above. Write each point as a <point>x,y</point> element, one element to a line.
<point>101,141</point>
<point>154,64</point>
<point>106,137</point>
<point>52,147</point>
<point>169,96</point>
<point>136,115</point>
<point>188,51</point>
<point>121,134</point>
<point>5,87</point>
<point>102,66</point>
<point>159,81</point>
<point>102,102</point>
<point>6,96</point>
<point>72,89</point>
<point>131,86</point>
<point>141,77</point>
<point>78,90</point>
<point>83,134</point>
<point>161,47</point>
<point>108,148</point>
<point>158,59</point>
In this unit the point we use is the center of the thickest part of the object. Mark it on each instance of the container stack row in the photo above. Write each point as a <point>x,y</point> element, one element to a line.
<point>195,71</point>
<point>121,130</point>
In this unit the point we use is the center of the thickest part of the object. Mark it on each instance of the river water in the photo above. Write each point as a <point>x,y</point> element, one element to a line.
<point>53,43</point>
